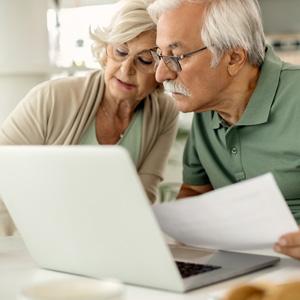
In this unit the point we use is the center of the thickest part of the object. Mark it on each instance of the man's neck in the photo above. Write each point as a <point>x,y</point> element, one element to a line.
<point>238,95</point>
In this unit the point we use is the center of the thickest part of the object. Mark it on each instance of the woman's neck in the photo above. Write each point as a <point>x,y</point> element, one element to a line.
<point>112,119</point>
<point>116,109</point>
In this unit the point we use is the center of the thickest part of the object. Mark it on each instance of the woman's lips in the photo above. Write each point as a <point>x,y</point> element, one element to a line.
<point>125,85</point>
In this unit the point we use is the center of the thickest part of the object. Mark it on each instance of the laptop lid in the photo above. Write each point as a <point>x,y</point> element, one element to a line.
<point>83,210</point>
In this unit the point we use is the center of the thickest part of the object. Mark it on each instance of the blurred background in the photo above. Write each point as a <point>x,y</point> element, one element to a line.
<point>43,39</point>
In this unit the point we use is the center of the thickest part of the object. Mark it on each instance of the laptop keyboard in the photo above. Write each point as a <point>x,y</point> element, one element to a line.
<point>190,269</point>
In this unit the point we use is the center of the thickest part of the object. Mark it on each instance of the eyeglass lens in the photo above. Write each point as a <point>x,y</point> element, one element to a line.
<point>171,62</point>
<point>143,60</point>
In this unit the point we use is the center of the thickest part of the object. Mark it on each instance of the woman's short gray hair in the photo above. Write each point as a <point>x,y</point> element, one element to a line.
<point>130,20</point>
<point>227,24</point>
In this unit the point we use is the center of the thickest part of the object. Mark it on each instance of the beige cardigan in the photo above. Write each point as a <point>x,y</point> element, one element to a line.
<point>58,112</point>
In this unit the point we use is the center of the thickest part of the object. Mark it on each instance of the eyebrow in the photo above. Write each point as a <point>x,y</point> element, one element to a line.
<point>140,51</point>
<point>175,45</point>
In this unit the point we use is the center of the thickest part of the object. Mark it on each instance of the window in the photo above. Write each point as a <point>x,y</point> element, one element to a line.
<point>69,41</point>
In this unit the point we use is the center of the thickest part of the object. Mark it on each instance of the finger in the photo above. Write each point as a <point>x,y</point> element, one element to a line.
<point>290,239</point>
<point>289,251</point>
<point>277,248</point>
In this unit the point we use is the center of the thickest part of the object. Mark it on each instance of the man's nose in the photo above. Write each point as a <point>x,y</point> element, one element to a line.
<point>163,73</point>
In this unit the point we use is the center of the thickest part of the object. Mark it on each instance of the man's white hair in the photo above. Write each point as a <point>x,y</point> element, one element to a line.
<point>227,24</point>
<point>130,20</point>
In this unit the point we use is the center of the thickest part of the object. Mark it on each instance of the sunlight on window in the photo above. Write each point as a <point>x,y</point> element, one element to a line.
<point>70,44</point>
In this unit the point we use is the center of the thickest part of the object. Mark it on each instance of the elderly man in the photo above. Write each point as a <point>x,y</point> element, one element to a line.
<point>213,58</point>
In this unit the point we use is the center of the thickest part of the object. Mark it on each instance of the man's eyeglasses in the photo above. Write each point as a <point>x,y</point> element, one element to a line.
<point>143,61</point>
<point>173,62</point>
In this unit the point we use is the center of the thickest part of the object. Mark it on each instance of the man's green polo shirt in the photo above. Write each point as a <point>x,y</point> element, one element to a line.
<point>266,138</point>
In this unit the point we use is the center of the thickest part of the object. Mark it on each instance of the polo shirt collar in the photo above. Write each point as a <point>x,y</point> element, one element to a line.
<point>216,120</point>
<point>258,109</point>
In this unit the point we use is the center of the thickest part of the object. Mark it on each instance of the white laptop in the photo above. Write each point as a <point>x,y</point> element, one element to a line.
<point>83,210</point>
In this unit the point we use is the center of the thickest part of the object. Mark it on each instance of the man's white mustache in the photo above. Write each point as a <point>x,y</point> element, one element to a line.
<point>174,87</point>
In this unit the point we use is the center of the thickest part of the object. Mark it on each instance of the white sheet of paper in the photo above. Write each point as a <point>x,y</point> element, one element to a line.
<point>247,215</point>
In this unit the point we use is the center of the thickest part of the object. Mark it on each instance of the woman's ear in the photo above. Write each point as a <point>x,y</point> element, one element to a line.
<point>237,59</point>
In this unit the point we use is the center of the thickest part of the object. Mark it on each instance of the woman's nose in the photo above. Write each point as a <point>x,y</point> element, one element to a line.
<point>128,67</point>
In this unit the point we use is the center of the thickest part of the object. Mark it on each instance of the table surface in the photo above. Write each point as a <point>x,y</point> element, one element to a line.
<point>17,270</point>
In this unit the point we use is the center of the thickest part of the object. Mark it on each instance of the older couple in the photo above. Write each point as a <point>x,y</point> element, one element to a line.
<point>212,56</point>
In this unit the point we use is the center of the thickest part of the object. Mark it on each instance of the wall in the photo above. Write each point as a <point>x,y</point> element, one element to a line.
<point>281,16</point>
<point>24,50</point>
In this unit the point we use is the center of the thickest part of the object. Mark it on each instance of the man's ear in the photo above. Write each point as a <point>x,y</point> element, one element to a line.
<point>236,60</point>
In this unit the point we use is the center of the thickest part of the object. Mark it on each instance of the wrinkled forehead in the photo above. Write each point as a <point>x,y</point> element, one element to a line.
<point>144,41</point>
<point>179,27</point>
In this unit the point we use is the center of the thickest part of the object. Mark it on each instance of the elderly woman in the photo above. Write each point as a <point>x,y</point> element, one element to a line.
<point>119,104</point>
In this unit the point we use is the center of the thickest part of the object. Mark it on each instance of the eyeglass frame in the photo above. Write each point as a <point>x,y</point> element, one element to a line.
<point>176,59</point>
<point>122,60</point>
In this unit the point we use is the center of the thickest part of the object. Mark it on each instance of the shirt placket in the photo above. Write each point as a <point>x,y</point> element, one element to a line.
<point>233,145</point>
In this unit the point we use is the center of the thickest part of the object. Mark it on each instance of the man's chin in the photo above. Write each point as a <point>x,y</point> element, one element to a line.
<point>182,102</point>
<point>183,107</point>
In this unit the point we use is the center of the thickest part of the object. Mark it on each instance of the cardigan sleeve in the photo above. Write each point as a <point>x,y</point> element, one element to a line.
<point>153,165</point>
<point>26,125</point>
<point>50,114</point>
<point>55,112</point>
<point>22,128</point>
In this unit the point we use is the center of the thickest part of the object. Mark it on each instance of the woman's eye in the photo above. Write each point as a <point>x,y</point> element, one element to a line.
<point>145,61</point>
<point>121,52</point>
<point>145,58</point>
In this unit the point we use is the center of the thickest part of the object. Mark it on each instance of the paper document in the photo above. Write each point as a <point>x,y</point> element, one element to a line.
<point>247,215</point>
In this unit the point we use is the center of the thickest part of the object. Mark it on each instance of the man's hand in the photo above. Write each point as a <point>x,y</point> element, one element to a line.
<point>289,244</point>
<point>187,190</point>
